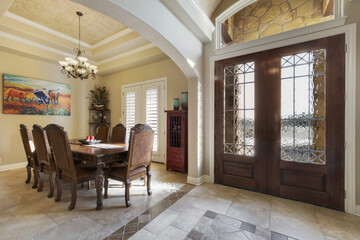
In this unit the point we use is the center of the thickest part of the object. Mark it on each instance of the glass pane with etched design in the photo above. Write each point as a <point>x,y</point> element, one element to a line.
<point>303,110</point>
<point>239,117</point>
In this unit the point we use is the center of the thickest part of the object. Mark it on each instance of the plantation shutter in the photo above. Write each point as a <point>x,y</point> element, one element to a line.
<point>130,113</point>
<point>152,113</point>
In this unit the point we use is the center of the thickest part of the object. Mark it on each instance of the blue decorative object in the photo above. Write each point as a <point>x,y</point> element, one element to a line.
<point>175,104</point>
<point>184,100</point>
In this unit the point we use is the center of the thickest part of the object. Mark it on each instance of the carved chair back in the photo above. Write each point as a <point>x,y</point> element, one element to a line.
<point>118,133</point>
<point>28,145</point>
<point>42,146</point>
<point>60,145</point>
<point>102,133</point>
<point>140,146</point>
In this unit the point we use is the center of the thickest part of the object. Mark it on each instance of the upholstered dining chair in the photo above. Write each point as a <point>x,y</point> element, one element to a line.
<point>65,167</point>
<point>44,157</point>
<point>30,155</point>
<point>102,133</point>
<point>118,134</point>
<point>138,161</point>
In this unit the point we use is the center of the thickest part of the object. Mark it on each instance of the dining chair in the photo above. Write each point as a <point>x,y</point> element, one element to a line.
<point>138,161</point>
<point>118,134</point>
<point>44,157</point>
<point>30,155</point>
<point>102,133</point>
<point>65,167</point>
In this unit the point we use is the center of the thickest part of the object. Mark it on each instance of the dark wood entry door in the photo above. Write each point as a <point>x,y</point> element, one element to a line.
<point>279,118</point>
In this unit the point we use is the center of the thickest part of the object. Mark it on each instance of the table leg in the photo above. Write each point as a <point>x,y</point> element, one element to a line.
<point>99,183</point>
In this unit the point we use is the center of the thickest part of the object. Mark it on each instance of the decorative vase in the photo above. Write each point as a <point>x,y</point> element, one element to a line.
<point>184,100</point>
<point>98,106</point>
<point>175,104</point>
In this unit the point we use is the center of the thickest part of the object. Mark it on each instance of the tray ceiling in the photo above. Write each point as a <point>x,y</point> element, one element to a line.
<point>60,16</point>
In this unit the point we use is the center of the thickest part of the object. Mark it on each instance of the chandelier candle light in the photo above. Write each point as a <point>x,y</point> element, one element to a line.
<point>78,67</point>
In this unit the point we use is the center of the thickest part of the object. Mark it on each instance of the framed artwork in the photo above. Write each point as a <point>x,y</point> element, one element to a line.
<point>22,95</point>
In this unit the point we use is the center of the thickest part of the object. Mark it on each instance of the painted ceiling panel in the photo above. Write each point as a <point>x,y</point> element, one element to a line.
<point>60,16</point>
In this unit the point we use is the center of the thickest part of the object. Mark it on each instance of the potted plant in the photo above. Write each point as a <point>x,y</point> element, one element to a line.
<point>99,97</point>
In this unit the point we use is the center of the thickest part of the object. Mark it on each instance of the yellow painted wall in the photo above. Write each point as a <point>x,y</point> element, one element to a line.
<point>11,148</point>
<point>176,83</point>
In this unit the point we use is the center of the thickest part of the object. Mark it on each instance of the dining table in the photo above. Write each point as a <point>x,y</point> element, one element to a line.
<point>100,156</point>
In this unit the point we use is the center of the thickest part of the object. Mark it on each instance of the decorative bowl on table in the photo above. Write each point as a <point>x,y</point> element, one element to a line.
<point>86,142</point>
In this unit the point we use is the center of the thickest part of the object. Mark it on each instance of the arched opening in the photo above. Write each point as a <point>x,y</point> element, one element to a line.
<point>251,20</point>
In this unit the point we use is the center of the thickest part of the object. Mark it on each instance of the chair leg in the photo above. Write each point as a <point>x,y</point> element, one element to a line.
<point>73,196</point>
<point>41,179</point>
<point>36,177</point>
<point>148,177</point>
<point>58,189</point>
<point>52,184</point>
<point>106,186</point>
<point>143,178</point>
<point>28,170</point>
<point>127,193</point>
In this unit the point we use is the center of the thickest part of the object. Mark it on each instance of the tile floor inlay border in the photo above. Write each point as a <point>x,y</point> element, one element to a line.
<point>221,226</point>
<point>129,229</point>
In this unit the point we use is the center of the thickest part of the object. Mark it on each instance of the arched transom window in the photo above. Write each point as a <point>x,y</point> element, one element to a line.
<point>263,18</point>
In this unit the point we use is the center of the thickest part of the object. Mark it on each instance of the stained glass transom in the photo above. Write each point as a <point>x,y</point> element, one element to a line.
<point>303,98</point>
<point>239,117</point>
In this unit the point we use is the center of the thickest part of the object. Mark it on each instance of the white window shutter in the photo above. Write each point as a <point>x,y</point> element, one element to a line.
<point>152,113</point>
<point>130,113</point>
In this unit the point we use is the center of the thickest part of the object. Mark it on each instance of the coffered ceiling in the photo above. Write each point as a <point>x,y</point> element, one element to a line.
<point>48,30</point>
<point>60,16</point>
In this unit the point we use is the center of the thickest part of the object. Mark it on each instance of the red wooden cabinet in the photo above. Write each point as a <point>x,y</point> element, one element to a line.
<point>176,150</point>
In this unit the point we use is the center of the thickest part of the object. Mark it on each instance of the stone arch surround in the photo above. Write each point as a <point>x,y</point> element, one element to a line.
<point>154,21</point>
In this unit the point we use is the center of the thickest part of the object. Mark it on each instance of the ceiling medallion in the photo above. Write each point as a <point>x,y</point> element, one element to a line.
<point>78,67</point>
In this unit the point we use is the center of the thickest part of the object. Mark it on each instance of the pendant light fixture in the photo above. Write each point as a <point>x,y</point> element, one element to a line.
<point>78,67</point>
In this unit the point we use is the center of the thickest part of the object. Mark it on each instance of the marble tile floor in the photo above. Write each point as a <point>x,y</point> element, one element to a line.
<point>212,211</point>
<point>28,214</point>
<point>174,211</point>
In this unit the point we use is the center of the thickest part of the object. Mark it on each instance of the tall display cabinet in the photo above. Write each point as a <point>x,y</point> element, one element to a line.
<point>98,117</point>
<point>177,148</point>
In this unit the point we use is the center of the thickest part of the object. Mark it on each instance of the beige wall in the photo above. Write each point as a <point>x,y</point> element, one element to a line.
<point>11,149</point>
<point>176,83</point>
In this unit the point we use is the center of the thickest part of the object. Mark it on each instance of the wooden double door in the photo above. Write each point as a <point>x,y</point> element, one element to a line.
<point>280,122</point>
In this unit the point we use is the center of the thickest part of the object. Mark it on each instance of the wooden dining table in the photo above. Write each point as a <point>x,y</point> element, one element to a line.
<point>101,158</point>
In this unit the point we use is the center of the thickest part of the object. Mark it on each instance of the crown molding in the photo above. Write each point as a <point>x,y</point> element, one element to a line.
<point>199,16</point>
<point>128,53</point>
<point>45,29</point>
<point>34,44</point>
<point>66,37</point>
<point>193,17</point>
<point>111,38</point>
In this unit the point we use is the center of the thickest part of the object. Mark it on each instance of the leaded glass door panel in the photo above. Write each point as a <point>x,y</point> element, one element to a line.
<point>237,126</point>
<point>280,122</point>
<point>309,164</point>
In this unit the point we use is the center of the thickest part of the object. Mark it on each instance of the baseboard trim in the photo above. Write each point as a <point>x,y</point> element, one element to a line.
<point>199,180</point>
<point>12,166</point>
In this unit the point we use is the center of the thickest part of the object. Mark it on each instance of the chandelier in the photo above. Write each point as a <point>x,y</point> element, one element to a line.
<point>78,67</point>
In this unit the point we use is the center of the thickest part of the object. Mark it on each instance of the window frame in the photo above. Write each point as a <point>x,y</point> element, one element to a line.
<point>338,14</point>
